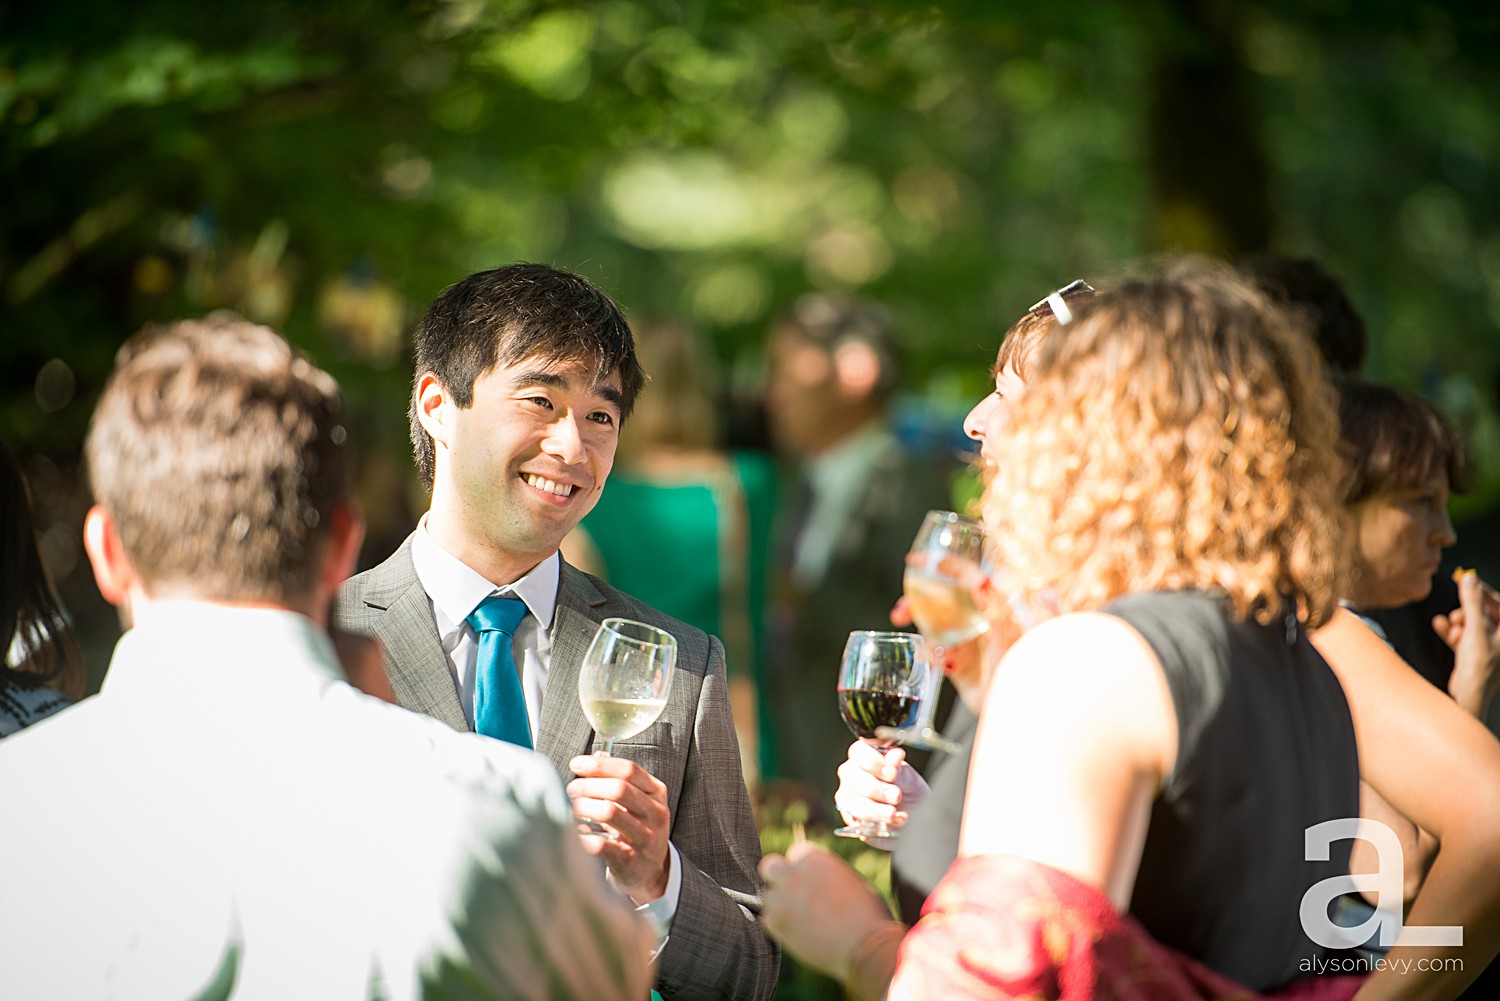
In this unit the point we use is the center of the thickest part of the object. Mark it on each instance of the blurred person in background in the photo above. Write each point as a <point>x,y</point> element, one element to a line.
<point>852,509</point>
<point>1405,460</point>
<point>42,670</point>
<point>229,818</point>
<point>1317,301</point>
<point>683,524</point>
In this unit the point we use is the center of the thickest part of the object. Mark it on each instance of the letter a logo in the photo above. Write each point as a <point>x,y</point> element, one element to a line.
<point>1386,882</point>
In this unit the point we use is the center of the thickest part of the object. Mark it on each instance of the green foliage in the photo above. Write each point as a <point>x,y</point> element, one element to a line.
<point>328,168</point>
<point>781,824</point>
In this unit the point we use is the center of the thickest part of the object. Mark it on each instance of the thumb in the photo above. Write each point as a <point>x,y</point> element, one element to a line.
<point>1471,596</point>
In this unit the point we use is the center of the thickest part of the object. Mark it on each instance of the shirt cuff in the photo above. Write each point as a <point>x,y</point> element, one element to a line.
<point>660,912</point>
<point>663,909</point>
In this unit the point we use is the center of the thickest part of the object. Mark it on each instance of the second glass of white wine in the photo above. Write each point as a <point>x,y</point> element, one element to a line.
<point>942,606</point>
<point>941,601</point>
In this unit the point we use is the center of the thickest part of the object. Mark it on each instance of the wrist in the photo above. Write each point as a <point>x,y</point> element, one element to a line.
<point>871,964</point>
<point>653,888</point>
<point>1474,696</point>
<point>644,893</point>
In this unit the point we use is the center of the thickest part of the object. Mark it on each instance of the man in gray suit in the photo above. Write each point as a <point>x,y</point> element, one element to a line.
<point>523,377</point>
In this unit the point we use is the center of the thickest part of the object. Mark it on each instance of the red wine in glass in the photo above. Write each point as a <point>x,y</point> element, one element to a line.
<point>883,679</point>
<point>866,710</point>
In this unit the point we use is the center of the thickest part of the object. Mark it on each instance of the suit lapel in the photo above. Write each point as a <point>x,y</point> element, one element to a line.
<point>564,730</point>
<point>418,667</point>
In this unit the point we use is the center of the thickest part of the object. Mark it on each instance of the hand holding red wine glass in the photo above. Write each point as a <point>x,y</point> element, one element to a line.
<point>883,680</point>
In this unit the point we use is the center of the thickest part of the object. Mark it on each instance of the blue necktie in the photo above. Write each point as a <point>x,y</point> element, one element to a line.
<point>499,706</point>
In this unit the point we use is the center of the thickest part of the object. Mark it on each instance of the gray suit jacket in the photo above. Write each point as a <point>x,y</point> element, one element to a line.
<point>716,948</point>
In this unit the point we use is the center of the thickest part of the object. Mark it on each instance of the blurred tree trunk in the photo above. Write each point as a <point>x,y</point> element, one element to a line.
<point>1209,174</point>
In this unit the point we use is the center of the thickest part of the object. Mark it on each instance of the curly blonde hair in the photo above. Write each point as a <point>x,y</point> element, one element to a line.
<point>1178,434</point>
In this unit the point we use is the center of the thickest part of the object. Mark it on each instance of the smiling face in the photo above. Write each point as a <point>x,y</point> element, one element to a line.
<point>1400,539</point>
<point>517,470</point>
<point>989,413</point>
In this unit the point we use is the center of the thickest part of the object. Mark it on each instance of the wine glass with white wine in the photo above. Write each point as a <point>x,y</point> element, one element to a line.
<point>623,683</point>
<point>942,604</point>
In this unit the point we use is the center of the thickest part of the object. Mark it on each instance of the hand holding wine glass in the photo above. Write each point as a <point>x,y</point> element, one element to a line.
<point>948,549</point>
<point>946,556</point>
<point>623,683</point>
<point>883,680</point>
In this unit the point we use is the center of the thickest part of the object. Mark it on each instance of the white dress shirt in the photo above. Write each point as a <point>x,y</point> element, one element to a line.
<point>454,590</point>
<point>228,810</point>
<point>838,478</point>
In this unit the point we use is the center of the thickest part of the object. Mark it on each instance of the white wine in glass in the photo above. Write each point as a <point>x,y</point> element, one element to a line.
<point>624,682</point>
<point>941,602</point>
<point>942,605</point>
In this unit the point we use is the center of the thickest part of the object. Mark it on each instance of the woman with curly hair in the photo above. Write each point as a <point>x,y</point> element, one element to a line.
<point>1151,760</point>
<point>878,785</point>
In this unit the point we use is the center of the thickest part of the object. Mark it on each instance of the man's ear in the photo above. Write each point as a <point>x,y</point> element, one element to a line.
<point>857,367</point>
<point>433,406</point>
<point>341,552</point>
<point>113,571</point>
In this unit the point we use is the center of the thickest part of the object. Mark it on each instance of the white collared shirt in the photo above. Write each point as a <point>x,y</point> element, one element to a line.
<point>838,478</point>
<point>454,589</point>
<point>261,816</point>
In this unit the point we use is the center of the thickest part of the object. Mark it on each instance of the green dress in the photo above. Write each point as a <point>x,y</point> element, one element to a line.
<point>697,549</point>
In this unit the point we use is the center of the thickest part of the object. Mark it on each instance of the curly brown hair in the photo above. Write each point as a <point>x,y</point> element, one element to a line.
<point>221,453</point>
<point>1025,335</point>
<point>1180,435</point>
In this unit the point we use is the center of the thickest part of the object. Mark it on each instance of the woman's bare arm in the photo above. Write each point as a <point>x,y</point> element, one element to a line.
<point>1078,728</point>
<point>1439,767</point>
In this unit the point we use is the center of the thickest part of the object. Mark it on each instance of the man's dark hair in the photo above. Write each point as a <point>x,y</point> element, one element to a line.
<point>506,315</point>
<point>833,319</point>
<point>1305,286</point>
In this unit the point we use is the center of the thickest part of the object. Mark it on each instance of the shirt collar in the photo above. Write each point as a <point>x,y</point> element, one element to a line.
<point>456,589</point>
<point>850,460</point>
<point>206,645</point>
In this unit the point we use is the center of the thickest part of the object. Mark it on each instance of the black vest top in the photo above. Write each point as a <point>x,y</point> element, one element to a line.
<point>1265,750</point>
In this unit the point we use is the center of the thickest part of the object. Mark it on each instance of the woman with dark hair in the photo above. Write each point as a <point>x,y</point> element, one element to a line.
<point>41,671</point>
<point>684,523</point>
<point>1405,459</point>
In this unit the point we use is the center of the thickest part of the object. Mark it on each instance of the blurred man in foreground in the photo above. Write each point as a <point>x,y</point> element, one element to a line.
<point>229,818</point>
